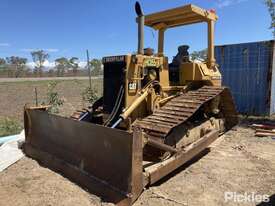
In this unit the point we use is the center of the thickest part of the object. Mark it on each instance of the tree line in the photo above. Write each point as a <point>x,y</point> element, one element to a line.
<point>16,66</point>
<point>271,10</point>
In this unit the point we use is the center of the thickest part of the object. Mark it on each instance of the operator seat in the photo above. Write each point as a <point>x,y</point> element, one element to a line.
<point>181,57</point>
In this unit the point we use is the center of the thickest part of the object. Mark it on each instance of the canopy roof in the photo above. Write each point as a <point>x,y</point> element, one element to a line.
<point>188,14</point>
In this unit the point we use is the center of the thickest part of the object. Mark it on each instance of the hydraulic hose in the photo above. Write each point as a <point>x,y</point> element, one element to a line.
<point>131,108</point>
<point>116,107</point>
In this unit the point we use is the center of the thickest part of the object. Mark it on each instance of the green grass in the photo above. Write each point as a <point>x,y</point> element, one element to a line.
<point>9,127</point>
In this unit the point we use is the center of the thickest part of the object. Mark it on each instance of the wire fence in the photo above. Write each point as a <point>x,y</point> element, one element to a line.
<point>74,94</point>
<point>20,71</point>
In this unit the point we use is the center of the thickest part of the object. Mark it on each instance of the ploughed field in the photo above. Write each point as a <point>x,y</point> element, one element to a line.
<point>15,94</point>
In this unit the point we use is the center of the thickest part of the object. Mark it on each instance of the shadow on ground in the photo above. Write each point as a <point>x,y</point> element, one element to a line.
<point>247,121</point>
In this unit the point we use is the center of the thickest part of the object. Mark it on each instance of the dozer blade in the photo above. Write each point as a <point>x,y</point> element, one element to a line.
<point>106,161</point>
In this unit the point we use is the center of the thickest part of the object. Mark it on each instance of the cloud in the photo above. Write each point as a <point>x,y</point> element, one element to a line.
<point>226,3</point>
<point>51,64</point>
<point>50,50</point>
<point>82,64</point>
<point>5,44</point>
<point>46,64</point>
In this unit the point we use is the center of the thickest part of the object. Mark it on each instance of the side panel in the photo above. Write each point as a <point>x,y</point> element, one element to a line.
<point>110,157</point>
<point>272,101</point>
<point>246,69</point>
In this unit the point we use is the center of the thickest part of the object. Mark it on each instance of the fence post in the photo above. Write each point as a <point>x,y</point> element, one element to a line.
<point>36,99</point>
<point>89,69</point>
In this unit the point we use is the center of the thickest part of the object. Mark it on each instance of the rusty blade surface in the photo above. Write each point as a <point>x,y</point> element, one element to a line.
<point>110,157</point>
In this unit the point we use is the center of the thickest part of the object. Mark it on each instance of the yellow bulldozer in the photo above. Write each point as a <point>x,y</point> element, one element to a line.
<point>153,116</point>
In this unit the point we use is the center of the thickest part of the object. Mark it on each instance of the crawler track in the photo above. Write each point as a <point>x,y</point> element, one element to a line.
<point>182,108</point>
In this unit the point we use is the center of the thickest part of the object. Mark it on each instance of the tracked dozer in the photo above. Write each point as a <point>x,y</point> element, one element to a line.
<point>153,116</point>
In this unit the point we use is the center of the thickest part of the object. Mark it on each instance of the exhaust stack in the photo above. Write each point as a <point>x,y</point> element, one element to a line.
<point>140,21</point>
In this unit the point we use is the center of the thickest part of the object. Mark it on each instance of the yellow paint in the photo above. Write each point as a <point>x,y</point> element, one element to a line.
<point>139,102</point>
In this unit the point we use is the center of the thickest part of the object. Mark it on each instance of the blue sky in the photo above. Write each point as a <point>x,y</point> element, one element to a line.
<point>67,28</point>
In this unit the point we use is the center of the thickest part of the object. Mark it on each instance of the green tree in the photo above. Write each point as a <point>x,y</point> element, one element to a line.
<point>96,66</point>
<point>271,9</point>
<point>39,57</point>
<point>3,67</point>
<point>199,54</point>
<point>53,98</point>
<point>61,64</point>
<point>73,62</point>
<point>2,61</point>
<point>17,64</point>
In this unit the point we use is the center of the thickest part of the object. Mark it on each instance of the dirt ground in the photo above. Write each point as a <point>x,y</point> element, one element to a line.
<point>14,95</point>
<point>238,162</point>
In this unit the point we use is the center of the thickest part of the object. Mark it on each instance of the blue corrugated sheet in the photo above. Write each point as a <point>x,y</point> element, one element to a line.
<point>272,101</point>
<point>247,69</point>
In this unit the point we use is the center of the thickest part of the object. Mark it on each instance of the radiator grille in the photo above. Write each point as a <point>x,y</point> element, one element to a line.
<point>114,77</point>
